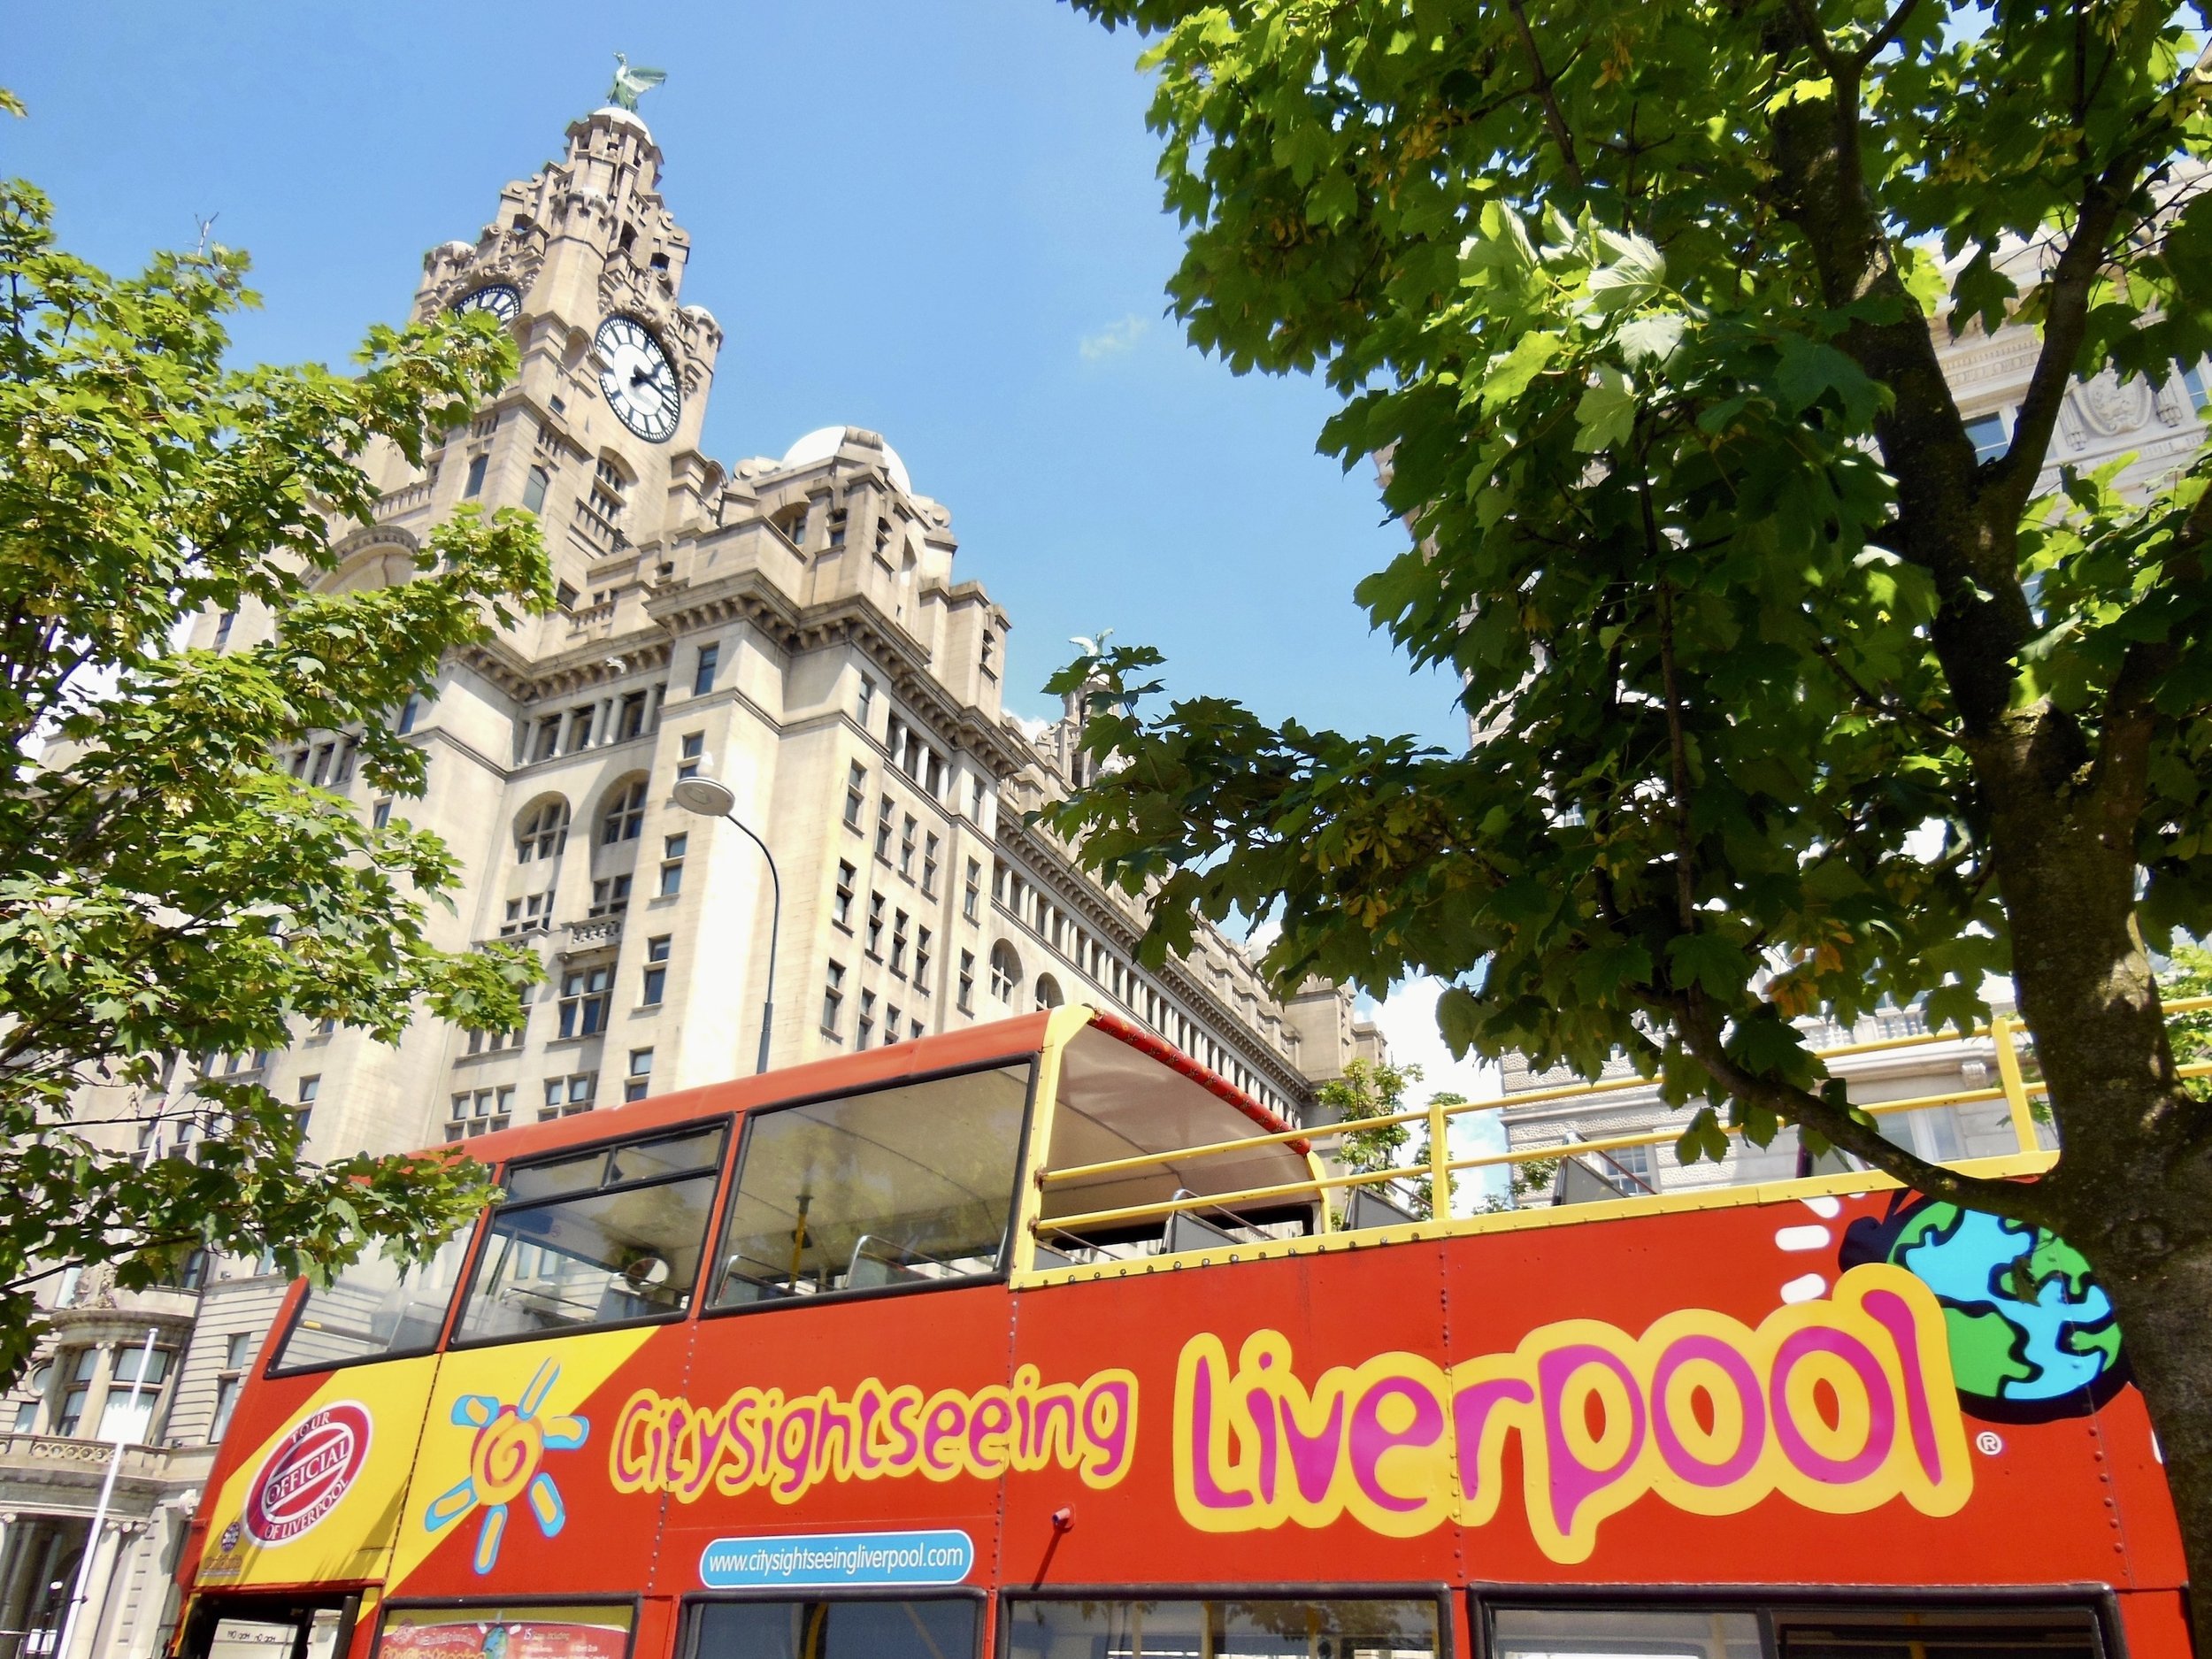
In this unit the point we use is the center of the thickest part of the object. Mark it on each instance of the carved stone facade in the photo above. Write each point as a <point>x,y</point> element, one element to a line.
<point>792,625</point>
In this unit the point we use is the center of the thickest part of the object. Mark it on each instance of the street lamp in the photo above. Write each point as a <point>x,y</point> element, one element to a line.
<point>710,798</point>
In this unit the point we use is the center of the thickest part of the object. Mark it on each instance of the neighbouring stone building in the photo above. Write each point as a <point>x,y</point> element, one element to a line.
<point>791,625</point>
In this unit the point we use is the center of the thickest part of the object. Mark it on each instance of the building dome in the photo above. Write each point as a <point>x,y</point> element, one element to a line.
<point>824,442</point>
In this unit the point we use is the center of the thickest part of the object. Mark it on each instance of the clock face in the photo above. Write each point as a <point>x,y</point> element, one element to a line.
<point>500,299</point>
<point>639,381</point>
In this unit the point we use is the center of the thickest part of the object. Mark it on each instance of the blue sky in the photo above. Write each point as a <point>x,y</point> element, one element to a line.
<point>939,220</point>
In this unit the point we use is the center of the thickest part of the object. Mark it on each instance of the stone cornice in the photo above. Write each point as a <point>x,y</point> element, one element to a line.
<point>1045,858</point>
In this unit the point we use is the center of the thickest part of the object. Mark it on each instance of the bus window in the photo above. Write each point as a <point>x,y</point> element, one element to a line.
<point>938,1628</point>
<point>1868,1631</point>
<point>1520,1632</point>
<point>374,1309</point>
<point>907,1186</point>
<point>596,1238</point>
<point>1272,1629</point>
<point>530,1631</point>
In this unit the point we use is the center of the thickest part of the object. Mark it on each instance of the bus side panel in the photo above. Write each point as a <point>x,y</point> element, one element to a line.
<point>510,1495</point>
<point>865,1417</point>
<point>1336,1497</point>
<point>2155,1624</point>
<point>313,1469</point>
<point>263,1406</point>
<point>1915,1480</point>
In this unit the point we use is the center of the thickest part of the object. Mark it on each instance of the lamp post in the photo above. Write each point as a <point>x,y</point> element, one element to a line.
<point>710,798</point>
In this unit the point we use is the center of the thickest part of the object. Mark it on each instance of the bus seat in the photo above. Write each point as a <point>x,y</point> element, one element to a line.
<point>1370,1209</point>
<point>1186,1232</point>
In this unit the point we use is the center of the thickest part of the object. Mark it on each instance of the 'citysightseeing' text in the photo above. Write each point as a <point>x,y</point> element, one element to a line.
<point>760,1438</point>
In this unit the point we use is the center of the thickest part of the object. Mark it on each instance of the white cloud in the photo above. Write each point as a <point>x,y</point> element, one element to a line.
<point>1407,1018</point>
<point>1114,339</point>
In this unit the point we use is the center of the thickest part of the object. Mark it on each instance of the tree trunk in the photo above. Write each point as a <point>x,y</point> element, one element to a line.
<point>2165,1309</point>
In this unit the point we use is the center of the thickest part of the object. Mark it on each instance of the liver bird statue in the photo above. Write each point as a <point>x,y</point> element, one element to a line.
<point>629,83</point>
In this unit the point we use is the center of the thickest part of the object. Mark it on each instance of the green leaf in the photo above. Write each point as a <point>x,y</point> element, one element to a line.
<point>1606,414</point>
<point>1509,375</point>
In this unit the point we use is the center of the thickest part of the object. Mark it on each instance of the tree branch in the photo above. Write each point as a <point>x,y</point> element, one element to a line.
<point>1547,92</point>
<point>2019,1200</point>
<point>2011,477</point>
<point>1888,33</point>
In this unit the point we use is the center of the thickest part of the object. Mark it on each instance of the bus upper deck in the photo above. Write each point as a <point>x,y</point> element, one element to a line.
<point>1038,1336</point>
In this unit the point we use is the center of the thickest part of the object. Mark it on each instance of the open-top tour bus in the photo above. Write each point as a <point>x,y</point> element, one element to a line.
<point>1037,1340</point>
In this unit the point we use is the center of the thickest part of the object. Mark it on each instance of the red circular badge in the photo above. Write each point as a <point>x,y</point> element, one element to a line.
<point>308,1472</point>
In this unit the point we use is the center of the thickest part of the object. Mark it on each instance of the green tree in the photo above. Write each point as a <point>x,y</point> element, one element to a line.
<point>1641,303</point>
<point>1376,1088</point>
<point>167,890</point>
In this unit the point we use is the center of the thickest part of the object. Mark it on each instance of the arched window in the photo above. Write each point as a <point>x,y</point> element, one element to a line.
<point>543,832</point>
<point>625,815</point>
<point>1006,971</point>
<point>1048,992</point>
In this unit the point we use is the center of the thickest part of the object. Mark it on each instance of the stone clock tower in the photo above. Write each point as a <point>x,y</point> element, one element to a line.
<point>585,263</point>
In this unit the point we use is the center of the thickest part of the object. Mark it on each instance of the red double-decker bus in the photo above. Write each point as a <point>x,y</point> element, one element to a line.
<point>1037,1340</point>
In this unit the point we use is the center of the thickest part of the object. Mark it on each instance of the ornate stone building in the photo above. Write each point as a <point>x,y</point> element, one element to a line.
<point>791,625</point>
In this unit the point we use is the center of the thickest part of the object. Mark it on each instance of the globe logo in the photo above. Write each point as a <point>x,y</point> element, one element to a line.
<point>2032,1334</point>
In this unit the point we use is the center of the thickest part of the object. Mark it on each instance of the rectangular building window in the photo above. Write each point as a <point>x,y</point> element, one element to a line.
<point>639,1084</point>
<point>837,527</point>
<point>971,896</point>
<point>672,866</point>
<point>222,628</point>
<point>906,846</point>
<point>583,1005</point>
<point>921,959</point>
<point>929,865</point>
<point>867,700</point>
<point>548,741</point>
<point>703,676</point>
<point>534,489</point>
<point>609,895</point>
<point>856,794</point>
<point>1986,433</point>
<point>842,900</point>
<point>633,717</point>
<point>965,998</point>
<point>132,1394</point>
<point>891,1017</point>
<point>475,486</point>
<point>565,1096</point>
<point>833,996</point>
<point>579,727</point>
<point>656,972</point>
<point>866,1028</point>
<point>410,713</point>
<point>883,831</point>
<point>693,753</point>
<point>78,1389</point>
<point>898,944</point>
<point>309,1087</point>
<point>875,926</point>
<point>2191,381</point>
<point>380,815</point>
<point>975,799</point>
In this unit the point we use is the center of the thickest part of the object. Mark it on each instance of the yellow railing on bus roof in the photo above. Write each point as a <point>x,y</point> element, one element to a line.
<point>2013,1087</point>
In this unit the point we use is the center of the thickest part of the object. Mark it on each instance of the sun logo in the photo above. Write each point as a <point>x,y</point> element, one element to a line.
<point>511,1441</point>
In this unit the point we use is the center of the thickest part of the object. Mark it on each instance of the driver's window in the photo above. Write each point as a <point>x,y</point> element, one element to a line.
<point>899,1187</point>
<point>597,1237</point>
